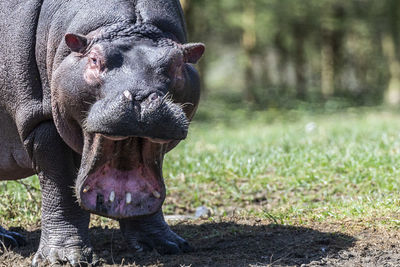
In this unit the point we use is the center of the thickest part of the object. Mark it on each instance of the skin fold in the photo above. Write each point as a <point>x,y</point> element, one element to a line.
<point>93,94</point>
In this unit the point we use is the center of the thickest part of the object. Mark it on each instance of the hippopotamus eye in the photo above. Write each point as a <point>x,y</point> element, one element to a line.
<point>93,60</point>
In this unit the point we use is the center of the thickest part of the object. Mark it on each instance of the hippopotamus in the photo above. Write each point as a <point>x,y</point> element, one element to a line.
<point>93,94</point>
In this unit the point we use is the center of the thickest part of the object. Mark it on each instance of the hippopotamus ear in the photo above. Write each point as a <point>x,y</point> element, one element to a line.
<point>193,52</point>
<point>77,43</point>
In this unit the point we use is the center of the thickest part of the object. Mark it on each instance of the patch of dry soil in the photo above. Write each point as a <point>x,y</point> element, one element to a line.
<point>244,242</point>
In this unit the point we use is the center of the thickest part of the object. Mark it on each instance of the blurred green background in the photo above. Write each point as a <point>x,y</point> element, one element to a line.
<point>286,54</point>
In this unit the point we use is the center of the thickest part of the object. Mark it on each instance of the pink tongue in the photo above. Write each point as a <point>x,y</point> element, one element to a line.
<point>120,194</point>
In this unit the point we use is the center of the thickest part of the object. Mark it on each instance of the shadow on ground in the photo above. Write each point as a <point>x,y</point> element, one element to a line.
<point>217,244</point>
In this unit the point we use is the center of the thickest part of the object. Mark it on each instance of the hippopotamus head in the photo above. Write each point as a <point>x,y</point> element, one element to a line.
<point>120,98</point>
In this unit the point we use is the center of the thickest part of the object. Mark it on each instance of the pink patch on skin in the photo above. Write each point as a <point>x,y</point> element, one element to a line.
<point>139,182</point>
<point>95,66</point>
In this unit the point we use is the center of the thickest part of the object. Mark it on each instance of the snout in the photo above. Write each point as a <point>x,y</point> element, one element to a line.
<point>149,115</point>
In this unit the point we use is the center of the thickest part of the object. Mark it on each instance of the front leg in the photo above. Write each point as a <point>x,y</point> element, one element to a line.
<point>64,234</point>
<point>153,232</point>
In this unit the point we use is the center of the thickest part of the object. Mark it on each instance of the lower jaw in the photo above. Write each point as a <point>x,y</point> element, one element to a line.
<point>122,194</point>
<point>123,186</point>
<point>118,211</point>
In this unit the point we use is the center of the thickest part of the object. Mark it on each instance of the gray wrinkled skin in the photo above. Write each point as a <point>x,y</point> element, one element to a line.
<point>81,78</point>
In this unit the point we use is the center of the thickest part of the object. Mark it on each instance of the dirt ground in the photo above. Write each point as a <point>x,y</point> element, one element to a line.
<point>245,242</point>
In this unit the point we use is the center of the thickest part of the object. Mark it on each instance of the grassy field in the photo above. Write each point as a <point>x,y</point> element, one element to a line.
<point>288,167</point>
<point>284,168</point>
<point>292,168</point>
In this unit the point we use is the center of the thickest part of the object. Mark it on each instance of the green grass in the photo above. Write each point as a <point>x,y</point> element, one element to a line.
<point>297,168</point>
<point>287,167</point>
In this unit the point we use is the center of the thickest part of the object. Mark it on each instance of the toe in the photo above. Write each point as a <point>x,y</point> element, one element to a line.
<point>73,256</point>
<point>182,243</point>
<point>83,257</point>
<point>37,260</point>
<point>8,240</point>
<point>143,247</point>
<point>168,248</point>
<point>186,247</point>
<point>53,257</point>
<point>138,244</point>
<point>166,243</point>
<point>74,259</point>
<point>19,238</point>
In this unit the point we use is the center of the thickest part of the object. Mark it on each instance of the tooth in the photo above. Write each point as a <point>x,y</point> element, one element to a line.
<point>112,196</point>
<point>156,194</point>
<point>128,95</point>
<point>86,189</point>
<point>128,198</point>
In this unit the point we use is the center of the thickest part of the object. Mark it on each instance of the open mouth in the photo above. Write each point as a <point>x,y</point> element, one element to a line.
<point>121,177</point>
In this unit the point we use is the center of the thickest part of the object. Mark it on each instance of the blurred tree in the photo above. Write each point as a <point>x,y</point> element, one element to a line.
<point>390,44</point>
<point>249,42</point>
<point>282,51</point>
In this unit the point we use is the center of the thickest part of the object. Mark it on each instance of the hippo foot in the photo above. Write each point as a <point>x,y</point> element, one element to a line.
<point>11,239</point>
<point>153,233</point>
<point>75,256</point>
<point>165,242</point>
